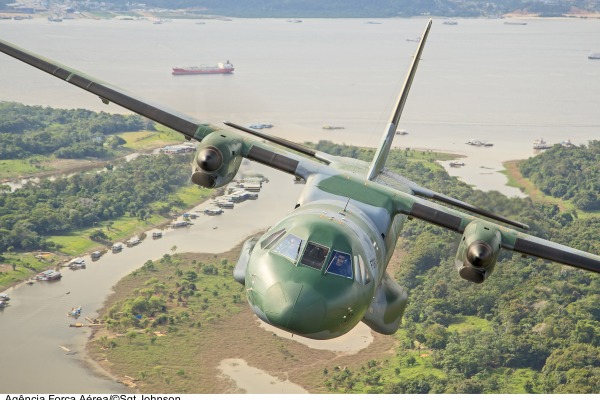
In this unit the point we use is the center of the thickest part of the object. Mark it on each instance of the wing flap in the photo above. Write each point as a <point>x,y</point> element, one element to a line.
<point>537,247</point>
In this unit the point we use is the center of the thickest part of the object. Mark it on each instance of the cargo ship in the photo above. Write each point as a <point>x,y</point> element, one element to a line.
<point>220,68</point>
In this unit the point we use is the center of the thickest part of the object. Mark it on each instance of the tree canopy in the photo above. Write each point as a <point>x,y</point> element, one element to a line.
<point>569,173</point>
<point>26,131</point>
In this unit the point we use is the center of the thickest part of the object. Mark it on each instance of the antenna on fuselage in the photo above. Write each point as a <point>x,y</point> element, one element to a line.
<point>346,206</point>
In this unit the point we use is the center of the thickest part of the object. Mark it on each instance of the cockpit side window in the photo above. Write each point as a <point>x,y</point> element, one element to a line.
<point>289,247</point>
<point>314,255</point>
<point>272,238</point>
<point>340,264</point>
<point>361,272</point>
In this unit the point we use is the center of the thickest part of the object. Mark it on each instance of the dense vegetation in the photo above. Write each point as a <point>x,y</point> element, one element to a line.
<point>81,200</point>
<point>532,319</point>
<point>531,327</point>
<point>27,131</point>
<point>361,8</point>
<point>569,173</point>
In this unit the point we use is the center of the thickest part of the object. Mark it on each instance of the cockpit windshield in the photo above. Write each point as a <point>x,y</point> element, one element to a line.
<point>340,264</point>
<point>314,256</point>
<point>289,247</point>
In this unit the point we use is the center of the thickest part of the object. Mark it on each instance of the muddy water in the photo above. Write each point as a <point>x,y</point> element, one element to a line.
<point>255,381</point>
<point>45,355</point>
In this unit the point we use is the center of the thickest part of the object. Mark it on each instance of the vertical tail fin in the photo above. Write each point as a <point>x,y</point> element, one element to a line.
<point>388,136</point>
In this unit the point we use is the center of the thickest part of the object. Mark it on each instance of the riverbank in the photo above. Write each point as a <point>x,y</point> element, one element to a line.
<point>79,245</point>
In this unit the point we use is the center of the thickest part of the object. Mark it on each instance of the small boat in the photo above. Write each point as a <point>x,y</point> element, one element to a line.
<point>401,132</point>
<point>260,126</point>
<point>75,312</point>
<point>134,241</point>
<point>213,211</point>
<point>456,164</point>
<point>48,275</point>
<point>540,144</point>
<point>180,224</point>
<point>515,23</point>
<point>332,127</point>
<point>96,255</point>
<point>76,263</point>
<point>450,22</point>
<point>479,143</point>
<point>594,56</point>
<point>117,247</point>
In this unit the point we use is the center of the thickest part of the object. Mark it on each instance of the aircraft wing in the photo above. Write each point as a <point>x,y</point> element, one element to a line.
<point>507,238</point>
<point>186,125</point>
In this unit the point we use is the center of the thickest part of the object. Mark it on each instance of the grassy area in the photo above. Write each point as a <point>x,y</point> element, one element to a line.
<point>15,168</point>
<point>205,327</point>
<point>148,140</point>
<point>462,324</point>
<point>163,356</point>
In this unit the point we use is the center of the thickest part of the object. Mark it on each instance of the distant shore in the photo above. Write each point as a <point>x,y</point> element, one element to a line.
<point>144,14</point>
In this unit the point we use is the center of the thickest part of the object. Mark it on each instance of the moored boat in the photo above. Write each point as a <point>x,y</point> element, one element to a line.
<point>540,144</point>
<point>48,275</point>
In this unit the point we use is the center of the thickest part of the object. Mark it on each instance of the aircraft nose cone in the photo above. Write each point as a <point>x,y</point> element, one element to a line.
<point>279,302</point>
<point>295,307</point>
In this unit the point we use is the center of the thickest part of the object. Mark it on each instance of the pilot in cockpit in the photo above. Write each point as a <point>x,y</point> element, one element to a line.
<point>340,264</point>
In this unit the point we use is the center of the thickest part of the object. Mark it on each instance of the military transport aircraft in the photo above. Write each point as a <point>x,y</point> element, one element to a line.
<point>322,269</point>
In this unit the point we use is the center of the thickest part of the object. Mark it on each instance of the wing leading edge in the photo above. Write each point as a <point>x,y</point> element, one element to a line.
<point>185,125</point>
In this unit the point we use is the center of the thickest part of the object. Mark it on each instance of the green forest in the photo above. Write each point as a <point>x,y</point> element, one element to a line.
<point>27,131</point>
<point>532,327</point>
<point>81,200</point>
<point>568,173</point>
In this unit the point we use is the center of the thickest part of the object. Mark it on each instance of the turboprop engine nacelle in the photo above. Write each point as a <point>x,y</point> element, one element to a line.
<point>217,160</point>
<point>478,251</point>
